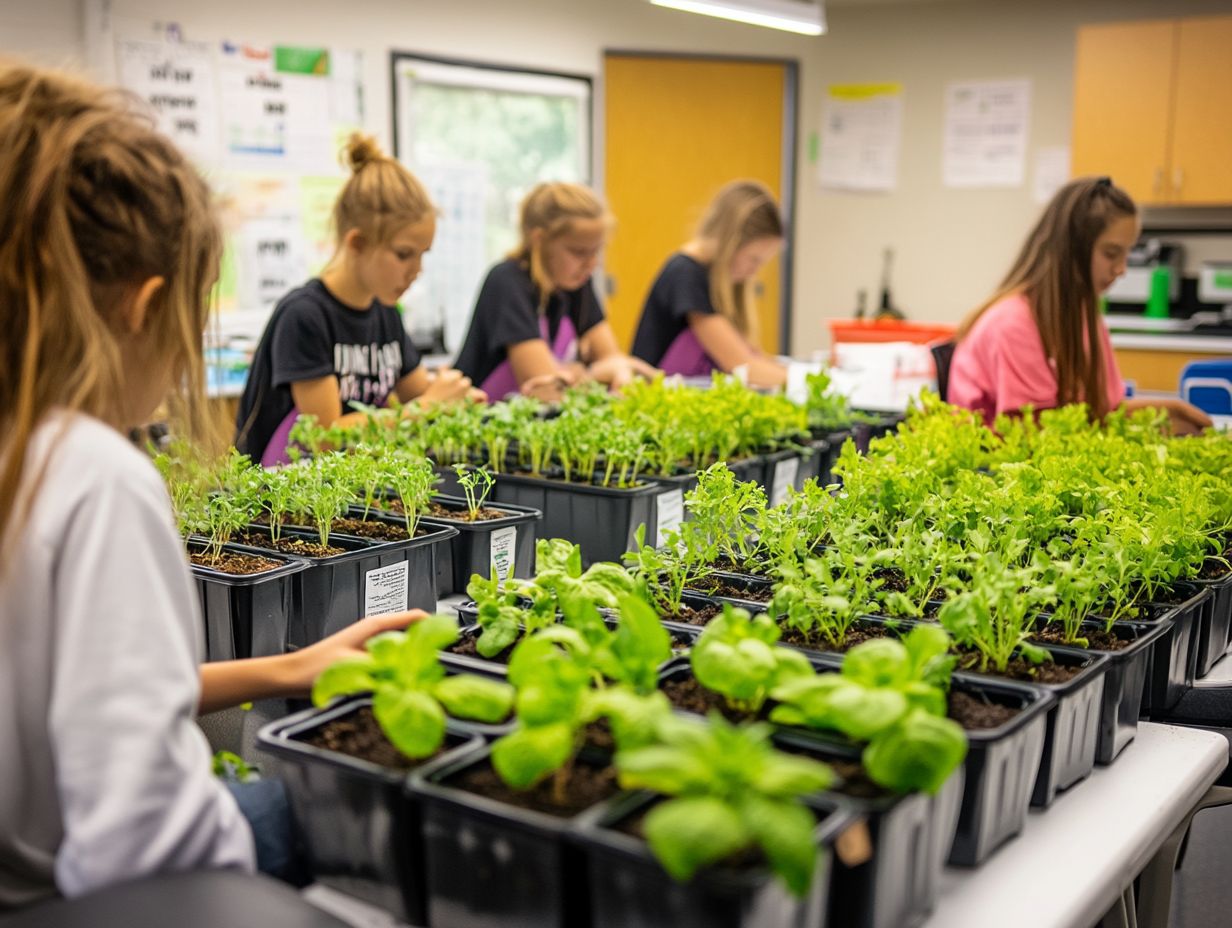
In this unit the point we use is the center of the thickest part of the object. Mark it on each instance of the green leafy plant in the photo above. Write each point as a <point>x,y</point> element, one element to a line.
<point>822,600</point>
<point>731,791</point>
<point>411,694</point>
<point>725,511</point>
<point>681,564</point>
<point>997,614</point>
<point>476,483</point>
<point>736,656</point>
<point>891,695</point>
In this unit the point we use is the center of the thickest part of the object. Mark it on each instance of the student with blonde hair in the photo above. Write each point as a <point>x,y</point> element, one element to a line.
<point>339,339</point>
<point>538,325</point>
<point>1040,340</point>
<point>110,253</point>
<point>701,312</point>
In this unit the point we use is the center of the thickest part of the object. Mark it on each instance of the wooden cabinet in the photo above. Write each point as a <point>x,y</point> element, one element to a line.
<point>1153,108</point>
<point>1202,128</point>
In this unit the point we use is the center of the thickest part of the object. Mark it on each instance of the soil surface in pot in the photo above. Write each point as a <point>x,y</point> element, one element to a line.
<point>1020,669</point>
<point>686,693</point>
<point>1097,639</point>
<point>483,514</point>
<point>975,713</point>
<point>690,616</point>
<point>231,563</point>
<point>857,634</point>
<point>1214,569</point>
<point>723,588</point>
<point>467,646</point>
<point>585,787</point>
<point>287,545</point>
<point>727,564</point>
<point>359,735</point>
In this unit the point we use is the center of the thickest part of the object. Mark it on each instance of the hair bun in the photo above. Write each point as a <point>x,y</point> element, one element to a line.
<point>362,150</point>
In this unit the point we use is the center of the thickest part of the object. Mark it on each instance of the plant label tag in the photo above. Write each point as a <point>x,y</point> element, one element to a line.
<point>503,544</point>
<point>385,589</point>
<point>785,473</point>
<point>669,512</point>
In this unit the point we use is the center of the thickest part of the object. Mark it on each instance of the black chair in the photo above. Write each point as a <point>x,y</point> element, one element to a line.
<point>204,899</point>
<point>943,354</point>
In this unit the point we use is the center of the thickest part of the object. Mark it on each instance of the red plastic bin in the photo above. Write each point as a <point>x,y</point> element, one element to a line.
<point>888,330</point>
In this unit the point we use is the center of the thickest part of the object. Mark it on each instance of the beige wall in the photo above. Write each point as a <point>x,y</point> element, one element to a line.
<point>951,245</point>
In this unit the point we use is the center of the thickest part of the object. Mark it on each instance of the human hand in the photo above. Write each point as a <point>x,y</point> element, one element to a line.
<point>549,388</point>
<point>619,369</point>
<point>310,661</point>
<point>447,386</point>
<point>1187,419</point>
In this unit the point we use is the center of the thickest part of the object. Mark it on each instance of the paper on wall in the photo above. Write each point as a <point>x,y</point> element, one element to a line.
<point>177,80</point>
<point>1051,172</point>
<point>986,126</point>
<point>861,136</point>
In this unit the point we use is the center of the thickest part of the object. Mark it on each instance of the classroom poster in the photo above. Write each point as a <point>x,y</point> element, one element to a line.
<point>986,125</point>
<point>176,79</point>
<point>861,137</point>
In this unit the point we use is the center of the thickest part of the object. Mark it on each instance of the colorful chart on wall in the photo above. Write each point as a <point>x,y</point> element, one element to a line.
<point>266,124</point>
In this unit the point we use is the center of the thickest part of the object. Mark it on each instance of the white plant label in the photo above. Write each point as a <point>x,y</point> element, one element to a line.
<point>385,589</point>
<point>503,546</point>
<point>785,473</point>
<point>669,510</point>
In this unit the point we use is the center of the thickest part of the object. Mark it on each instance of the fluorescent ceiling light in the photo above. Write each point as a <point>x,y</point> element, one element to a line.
<point>800,16</point>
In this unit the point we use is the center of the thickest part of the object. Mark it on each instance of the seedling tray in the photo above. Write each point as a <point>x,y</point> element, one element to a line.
<point>246,615</point>
<point>361,829</point>
<point>629,887</point>
<point>1172,665</point>
<point>1213,634</point>
<point>506,545</point>
<point>603,520</point>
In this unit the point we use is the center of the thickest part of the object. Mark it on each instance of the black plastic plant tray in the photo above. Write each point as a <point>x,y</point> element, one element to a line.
<point>628,886</point>
<point>246,615</point>
<point>360,828</point>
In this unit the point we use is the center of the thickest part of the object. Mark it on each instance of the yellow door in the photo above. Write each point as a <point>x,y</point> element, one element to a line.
<point>1202,139</point>
<point>676,130</point>
<point>1123,92</point>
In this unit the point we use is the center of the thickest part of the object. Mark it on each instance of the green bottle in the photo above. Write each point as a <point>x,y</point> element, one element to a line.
<point>1161,289</point>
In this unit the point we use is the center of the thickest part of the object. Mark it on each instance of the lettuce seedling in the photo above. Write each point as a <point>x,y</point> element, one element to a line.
<point>504,613</point>
<point>997,614</point>
<point>476,483</point>
<point>736,657</point>
<point>890,694</point>
<point>411,695</point>
<point>823,600</point>
<point>682,563</point>
<point>725,510</point>
<point>558,679</point>
<point>732,791</point>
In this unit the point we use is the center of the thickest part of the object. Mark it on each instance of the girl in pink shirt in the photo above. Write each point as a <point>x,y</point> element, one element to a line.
<point>1040,341</point>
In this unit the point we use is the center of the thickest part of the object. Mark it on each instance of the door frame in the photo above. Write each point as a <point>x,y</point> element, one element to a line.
<point>791,131</point>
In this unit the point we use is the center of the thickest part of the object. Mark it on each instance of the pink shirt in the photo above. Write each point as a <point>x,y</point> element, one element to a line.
<point>1001,366</point>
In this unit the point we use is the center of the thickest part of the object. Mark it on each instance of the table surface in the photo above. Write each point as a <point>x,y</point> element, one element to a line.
<point>1071,861</point>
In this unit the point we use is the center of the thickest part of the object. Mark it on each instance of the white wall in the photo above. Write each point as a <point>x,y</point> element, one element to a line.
<point>951,246</point>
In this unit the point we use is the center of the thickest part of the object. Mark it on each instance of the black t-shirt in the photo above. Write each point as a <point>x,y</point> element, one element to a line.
<point>507,312</point>
<point>312,334</point>
<point>682,287</point>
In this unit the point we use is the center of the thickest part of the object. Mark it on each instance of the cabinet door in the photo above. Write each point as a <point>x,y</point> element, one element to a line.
<point>1202,134</point>
<point>1123,78</point>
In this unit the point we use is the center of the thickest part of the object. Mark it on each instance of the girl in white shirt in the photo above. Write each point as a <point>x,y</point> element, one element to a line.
<point>109,253</point>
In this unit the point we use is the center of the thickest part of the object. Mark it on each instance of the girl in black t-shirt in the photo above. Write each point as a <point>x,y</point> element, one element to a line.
<point>339,339</point>
<point>700,314</point>
<point>538,326</point>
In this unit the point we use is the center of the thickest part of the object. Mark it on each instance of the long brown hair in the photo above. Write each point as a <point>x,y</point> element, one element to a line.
<point>742,212</point>
<point>552,208</point>
<point>381,196</point>
<point>94,202</point>
<point>1053,273</point>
